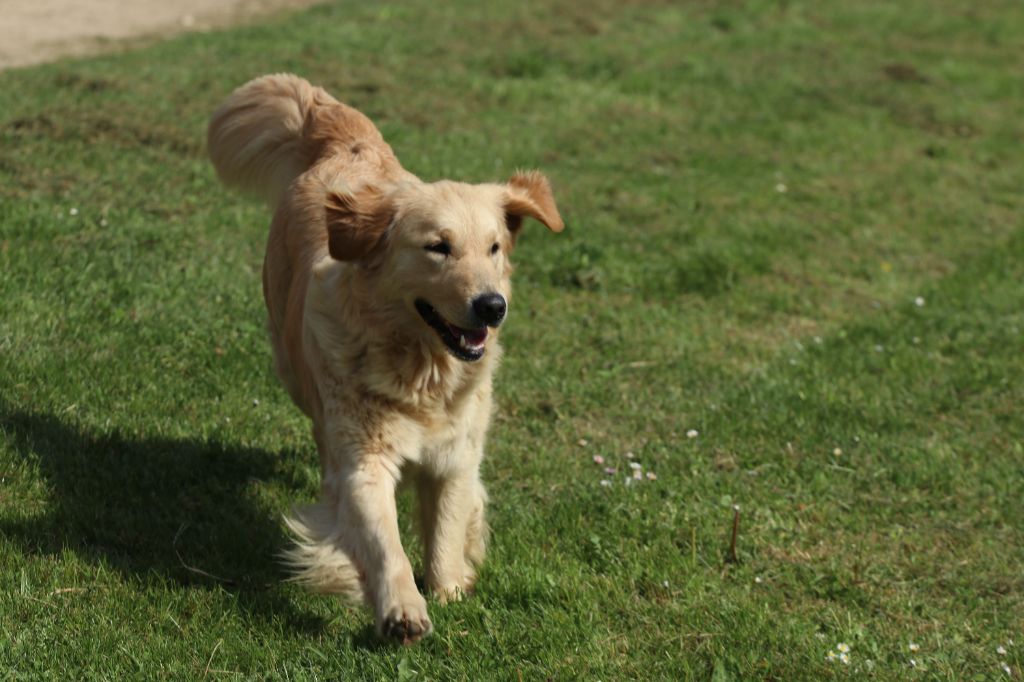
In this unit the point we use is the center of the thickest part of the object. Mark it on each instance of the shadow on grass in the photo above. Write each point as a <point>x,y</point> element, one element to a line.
<point>184,511</point>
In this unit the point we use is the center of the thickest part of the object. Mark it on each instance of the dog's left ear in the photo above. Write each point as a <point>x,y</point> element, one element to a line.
<point>529,195</point>
<point>356,222</point>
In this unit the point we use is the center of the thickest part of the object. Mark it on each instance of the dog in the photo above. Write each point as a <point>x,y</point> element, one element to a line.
<point>385,296</point>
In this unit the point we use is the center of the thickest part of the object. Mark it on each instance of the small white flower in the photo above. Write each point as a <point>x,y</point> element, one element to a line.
<point>830,656</point>
<point>598,459</point>
<point>758,579</point>
<point>916,340</point>
<point>735,507</point>
<point>629,455</point>
<point>635,466</point>
<point>879,348</point>
<point>605,482</point>
<point>781,188</point>
<point>611,470</point>
<point>1001,650</point>
<point>255,402</point>
<point>103,222</point>
<point>73,211</point>
<point>629,481</point>
<point>843,648</point>
<point>651,476</point>
<point>818,340</point>
<point>919,302</point>
<point>837,451</point>
<point>1006,669</point>
<point>819,635</point>
<point>582,442</point>
<point>913,646</point>
<point>913,663</point>
<point>692,433</point>
<point>638,475</point>
<point>845,658</point>
<point>664,583</point>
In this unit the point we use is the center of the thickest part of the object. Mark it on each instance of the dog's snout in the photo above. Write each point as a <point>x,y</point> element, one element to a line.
<point>490,308</point>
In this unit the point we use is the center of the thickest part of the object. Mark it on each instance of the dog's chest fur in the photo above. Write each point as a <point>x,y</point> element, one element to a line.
<point>432,407</point>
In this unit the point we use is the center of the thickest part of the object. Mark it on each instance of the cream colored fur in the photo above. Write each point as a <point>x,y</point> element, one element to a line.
<point>353,255</point>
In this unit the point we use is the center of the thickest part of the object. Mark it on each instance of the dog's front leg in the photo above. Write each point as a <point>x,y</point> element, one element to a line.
<point>365,493</point>
<point>454,531</point>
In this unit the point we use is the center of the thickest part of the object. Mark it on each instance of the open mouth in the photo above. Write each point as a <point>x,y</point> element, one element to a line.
<point>465,344</point>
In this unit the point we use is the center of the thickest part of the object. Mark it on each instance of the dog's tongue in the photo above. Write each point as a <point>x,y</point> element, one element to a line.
<point>473,337</point>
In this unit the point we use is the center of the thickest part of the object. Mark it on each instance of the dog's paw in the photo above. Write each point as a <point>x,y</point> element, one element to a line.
<point>406,624</point>
<point>453,587</point>
<point>449,593</point>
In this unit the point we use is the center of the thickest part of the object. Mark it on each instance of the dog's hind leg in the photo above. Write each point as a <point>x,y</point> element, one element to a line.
<point>318,559</point>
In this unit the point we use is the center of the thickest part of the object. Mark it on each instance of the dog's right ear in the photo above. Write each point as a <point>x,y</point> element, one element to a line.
<point>356,222</point>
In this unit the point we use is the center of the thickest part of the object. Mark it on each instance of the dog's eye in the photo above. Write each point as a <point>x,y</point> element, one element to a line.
<point>442,247</point>
<point>494,248</point>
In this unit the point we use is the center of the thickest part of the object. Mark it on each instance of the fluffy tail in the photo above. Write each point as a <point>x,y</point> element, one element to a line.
<point>258,139</point>
<point>317,560</point>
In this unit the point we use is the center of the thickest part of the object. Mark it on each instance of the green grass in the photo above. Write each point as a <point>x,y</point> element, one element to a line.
<point>874,446</point>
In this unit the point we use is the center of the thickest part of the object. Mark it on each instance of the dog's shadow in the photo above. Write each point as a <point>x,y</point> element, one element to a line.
<point>182,510</point>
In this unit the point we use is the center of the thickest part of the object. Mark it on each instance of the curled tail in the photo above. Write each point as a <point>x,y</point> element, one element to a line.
<point>274,128</point>
<point>259,140</point>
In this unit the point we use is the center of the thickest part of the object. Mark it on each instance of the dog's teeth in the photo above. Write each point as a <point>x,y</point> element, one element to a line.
<point>462,341</point>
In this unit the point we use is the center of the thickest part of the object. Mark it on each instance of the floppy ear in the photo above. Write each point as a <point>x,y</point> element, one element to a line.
<point>356,223</point>
<point>529,195</point>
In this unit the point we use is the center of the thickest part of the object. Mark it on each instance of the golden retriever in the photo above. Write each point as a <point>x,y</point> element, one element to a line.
<point>385,297</point>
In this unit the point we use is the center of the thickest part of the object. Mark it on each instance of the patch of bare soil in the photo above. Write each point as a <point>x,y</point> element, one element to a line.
<point>36,31</point>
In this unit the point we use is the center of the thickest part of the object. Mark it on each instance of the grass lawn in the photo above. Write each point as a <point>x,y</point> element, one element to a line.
<point>793,281</point>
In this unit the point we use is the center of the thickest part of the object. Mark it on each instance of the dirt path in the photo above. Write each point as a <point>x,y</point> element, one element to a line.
<point>34,31</point>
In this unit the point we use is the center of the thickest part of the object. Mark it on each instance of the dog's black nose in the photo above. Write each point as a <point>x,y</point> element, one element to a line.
<point>490,308</point>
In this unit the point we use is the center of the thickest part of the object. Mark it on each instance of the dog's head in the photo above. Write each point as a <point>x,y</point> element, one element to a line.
<point>437,255</point>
